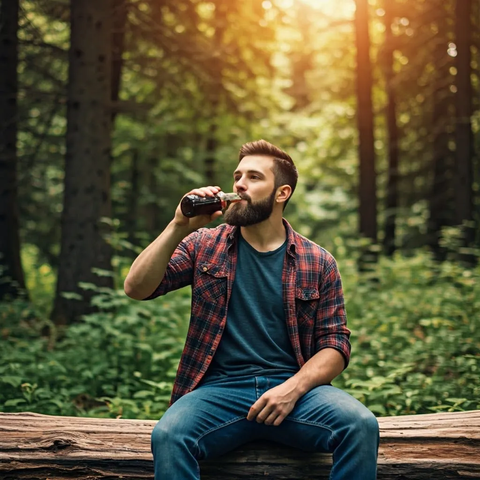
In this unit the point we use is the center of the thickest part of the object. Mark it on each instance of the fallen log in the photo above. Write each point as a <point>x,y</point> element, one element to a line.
<point>41,447</point>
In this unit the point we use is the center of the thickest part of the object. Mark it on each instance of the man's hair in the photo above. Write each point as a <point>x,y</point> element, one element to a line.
<point>284,169</point>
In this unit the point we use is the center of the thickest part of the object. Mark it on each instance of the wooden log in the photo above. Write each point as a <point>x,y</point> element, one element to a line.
<point>41,447</point>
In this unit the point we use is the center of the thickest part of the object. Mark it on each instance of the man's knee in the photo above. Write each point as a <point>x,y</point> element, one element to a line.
<point>160,435</point>
<point>167,433</point>
<point>366,425</point>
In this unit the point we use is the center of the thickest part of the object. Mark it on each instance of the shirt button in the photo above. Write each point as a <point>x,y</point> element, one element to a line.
<point>205,269</point>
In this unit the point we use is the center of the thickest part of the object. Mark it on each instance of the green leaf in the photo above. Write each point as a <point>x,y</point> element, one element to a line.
<point>71,296</point>
<point>87,286</point>
<point>11,380</point>
<point>14,402</point>
<point>102,273</point>
<point>160,385</point>
<point>143,394</point>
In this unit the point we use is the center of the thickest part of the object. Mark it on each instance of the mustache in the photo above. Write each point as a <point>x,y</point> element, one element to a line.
<point>244,196</point>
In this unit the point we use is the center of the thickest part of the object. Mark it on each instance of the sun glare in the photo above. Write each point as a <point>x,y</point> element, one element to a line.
<point>332,8</point>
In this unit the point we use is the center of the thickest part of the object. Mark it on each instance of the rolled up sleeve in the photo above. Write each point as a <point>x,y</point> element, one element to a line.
<point>180,268</point>
<point>331,323</point>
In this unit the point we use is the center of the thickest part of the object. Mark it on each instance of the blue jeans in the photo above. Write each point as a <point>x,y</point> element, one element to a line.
<point>211,421</point>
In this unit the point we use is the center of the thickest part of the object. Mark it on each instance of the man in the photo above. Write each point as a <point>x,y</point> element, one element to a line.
<point>267,332</point>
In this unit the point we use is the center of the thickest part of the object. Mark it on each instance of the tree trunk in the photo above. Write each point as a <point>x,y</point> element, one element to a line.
<point>132,201</point>
<point>476,108</point>
<point>151,209</point>
<point>463,130</point>
<point>366,150</point>
<point>12,281</point>
<point>421,447</point>
<point>302,59</point>
<point>119,22</point>
<point>215,90</point>
<point>87,165</point>
<point>211,146</point>
<point>441,196</point>
<point>391,204</point>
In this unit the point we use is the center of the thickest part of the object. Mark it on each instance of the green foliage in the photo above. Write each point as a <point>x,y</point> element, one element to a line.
<point>416,341</point>
<point>40,279</point>
<point>415,338</point>
<point>119,361</point>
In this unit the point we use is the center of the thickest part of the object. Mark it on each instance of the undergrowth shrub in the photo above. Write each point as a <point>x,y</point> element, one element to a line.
<point>415,336</point>
<point>118,362</point>
<point>415,346</point>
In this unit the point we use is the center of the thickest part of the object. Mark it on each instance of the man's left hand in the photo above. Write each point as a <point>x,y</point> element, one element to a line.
<point>274,405</point>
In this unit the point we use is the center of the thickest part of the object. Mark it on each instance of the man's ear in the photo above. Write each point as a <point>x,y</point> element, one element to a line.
<point>283,193</point>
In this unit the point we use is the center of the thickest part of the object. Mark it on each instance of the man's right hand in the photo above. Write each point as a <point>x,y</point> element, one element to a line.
<point>149,267</point>
<point>194,223</point>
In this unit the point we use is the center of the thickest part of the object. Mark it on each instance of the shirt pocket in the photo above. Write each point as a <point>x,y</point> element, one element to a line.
<point>306,303</point>
<point>210,283</point>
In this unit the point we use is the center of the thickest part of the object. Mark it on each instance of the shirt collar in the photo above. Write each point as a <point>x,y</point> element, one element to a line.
<point>291,246</point>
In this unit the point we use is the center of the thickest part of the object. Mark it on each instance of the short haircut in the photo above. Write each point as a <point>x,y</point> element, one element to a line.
<point>284,169</point>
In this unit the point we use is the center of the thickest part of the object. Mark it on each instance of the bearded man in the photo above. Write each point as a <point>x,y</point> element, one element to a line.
<point>267,332</point>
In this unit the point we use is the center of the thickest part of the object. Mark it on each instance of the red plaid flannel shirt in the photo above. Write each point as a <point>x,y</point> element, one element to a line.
<point>312,293</point>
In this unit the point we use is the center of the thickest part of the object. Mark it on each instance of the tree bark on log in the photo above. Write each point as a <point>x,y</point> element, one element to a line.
<point>32,446</point>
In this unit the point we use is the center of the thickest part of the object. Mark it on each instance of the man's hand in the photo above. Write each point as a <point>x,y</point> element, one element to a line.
<point>199,221</point>
<point>149,267</point>
<point>275,404</point>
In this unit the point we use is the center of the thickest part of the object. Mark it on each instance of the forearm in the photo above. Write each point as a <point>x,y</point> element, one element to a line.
<point>149,267</point>
<point>321,369</point>
<point>275,404</point>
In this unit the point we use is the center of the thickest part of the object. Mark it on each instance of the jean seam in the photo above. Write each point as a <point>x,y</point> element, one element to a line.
<point>313,424</point>
<point>213,429</point>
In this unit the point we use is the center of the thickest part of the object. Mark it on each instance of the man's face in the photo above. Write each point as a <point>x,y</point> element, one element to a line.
<point>254,181</point>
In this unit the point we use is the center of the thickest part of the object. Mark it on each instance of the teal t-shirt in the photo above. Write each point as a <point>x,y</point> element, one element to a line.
<point>255,340</point>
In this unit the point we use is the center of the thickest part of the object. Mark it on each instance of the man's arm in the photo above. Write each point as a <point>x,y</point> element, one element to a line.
<point>149,267</point>
<point>331,322</point>
<point>275,404</point>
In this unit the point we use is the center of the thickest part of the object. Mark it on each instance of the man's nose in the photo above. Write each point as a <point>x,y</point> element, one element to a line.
<point>240,186</point>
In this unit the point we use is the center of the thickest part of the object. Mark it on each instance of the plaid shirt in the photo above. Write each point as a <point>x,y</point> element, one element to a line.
<point>312,293</point>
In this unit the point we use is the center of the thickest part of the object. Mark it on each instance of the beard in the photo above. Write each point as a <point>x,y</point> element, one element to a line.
<point>244,215</point>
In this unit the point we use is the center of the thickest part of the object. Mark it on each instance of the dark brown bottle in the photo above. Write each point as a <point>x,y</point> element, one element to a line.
<point>193,205</point>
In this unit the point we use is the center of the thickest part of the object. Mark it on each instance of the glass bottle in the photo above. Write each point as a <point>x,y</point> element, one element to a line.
<point>193,205</point>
